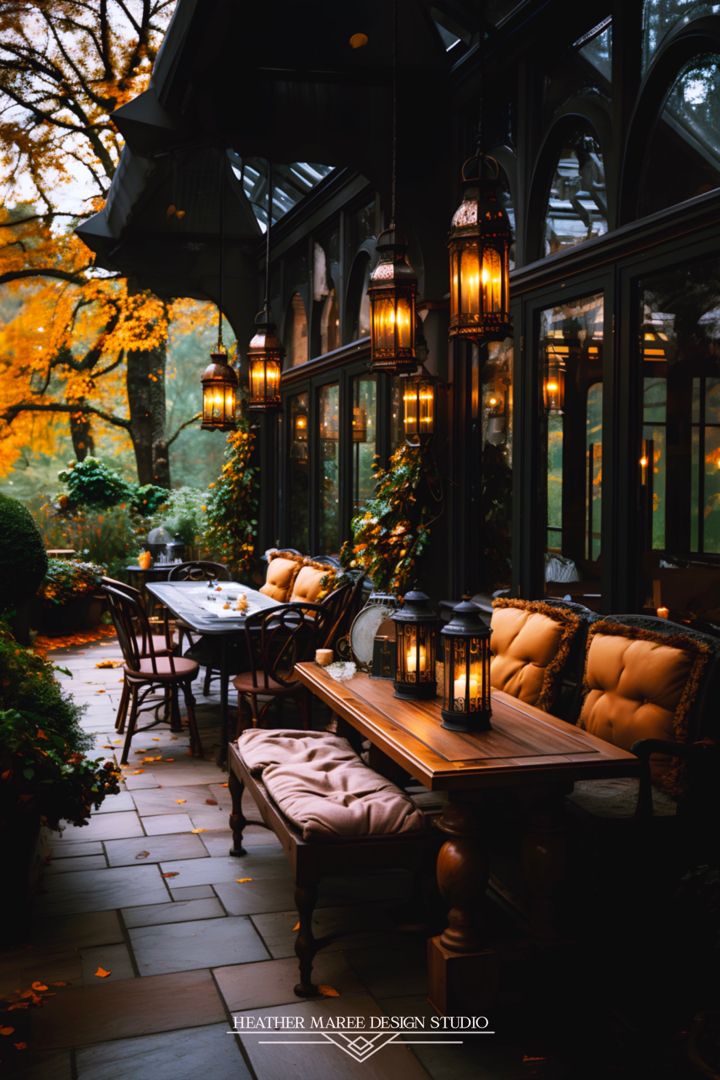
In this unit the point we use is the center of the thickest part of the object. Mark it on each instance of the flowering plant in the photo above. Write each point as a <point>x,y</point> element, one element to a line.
<point>391,531</point>
<point>43,768</point>
<point>232,503</point>
<point>67,579</point>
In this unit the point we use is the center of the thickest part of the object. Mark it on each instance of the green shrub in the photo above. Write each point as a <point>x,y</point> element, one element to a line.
<point>146,499</point>
<point>23,561</point>
<point>111,537</point>
<point>91,483</point>
<point>43,769</point>
<point>182,514</point>
<point>232,503</point>
<point>66,579</point>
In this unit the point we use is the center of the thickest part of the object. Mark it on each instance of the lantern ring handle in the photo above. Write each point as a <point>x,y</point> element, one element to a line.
<point>481,160</point>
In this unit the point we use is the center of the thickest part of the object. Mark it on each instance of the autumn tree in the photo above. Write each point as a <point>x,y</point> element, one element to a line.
<point>82,347</point>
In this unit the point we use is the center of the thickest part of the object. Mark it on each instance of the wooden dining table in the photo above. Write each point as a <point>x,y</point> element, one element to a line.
<point>200,607</point>
<point>527,754</point>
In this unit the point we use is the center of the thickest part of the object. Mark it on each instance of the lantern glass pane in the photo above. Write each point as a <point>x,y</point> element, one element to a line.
<point>404,322</point>
<point>492,280</point>
<point>470,273</point>
<point>383,325</point>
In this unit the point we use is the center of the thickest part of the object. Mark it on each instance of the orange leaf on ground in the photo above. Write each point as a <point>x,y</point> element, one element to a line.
<point>38,985</point>
<point>102,973</point>
<point>171,873</point>
<point>242,880</point>
<point>225,784</point>
<point>296,927</point>
<point>156,738</point>
<point>211,802</point>
<point>328,991</point>
<point>180,801</point>
<point>101,691</point>
<point>20,1046</point>
<point>109,663</point>
<point>136,772</point>
<point>7,1030</point>
<point>142,854</point>
<point>198,830</point>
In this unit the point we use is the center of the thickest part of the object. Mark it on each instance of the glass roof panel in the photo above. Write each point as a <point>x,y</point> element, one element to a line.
<point>291,183</point>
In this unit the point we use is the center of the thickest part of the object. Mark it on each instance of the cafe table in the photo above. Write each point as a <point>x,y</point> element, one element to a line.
<point>201,608</point>
<point>527,754</point>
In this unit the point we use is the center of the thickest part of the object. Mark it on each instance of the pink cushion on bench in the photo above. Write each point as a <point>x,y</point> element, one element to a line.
<point>321,786</point>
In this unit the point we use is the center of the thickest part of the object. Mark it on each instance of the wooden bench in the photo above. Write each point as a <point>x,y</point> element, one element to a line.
<point>256,760</point>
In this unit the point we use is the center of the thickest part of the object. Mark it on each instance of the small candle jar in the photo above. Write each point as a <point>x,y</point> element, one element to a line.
<point>323,657</point>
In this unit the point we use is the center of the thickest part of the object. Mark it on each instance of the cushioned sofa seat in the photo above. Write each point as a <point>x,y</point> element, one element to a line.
<point>283,568</point>
<point>530,644</point>
<point>323,789</point>
<point>617,798</point>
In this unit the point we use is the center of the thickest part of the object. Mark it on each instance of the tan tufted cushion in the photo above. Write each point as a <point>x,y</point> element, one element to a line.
<point>530,644</point>
<point>282,570</point>
<point>641,685</point>
<point>313,582</point>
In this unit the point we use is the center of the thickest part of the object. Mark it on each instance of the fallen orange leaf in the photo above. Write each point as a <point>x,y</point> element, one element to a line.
<point>142,854</point>
<point>242,880</point>
<point>328,991</point>
<point>296,927</point>
<point>198,830</point>
<point>136,772</point>
<point>225,784</point>
<point>38,986</point>
<point>20,1046</point>
<point>7,1030</point>
<point>102,973</point>
<point>211,802</point>
<point>156,738</point>
<point>171,873</point>
<point>180,801</point>
<point>101,691</point>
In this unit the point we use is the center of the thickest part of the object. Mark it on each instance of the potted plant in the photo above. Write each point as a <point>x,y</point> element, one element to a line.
<point>69,597</point>
<point>45,778</point>
<point>392,530</point>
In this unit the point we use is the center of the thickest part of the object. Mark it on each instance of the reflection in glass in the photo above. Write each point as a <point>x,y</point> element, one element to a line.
<point>296,336</point>
<point>660,16</point>
<point>688,134</point>
<point>596,47</point>
<point>329,445</point>
<point>364,396</point>
<point>571,348</point>
<point>330,323</point>
<point>705,525</point>
<point>496,464</point>
<point>577,203</point>
<point>298,473</point>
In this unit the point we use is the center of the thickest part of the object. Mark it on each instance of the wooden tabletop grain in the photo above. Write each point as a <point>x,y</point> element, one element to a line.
<point>524,743</point>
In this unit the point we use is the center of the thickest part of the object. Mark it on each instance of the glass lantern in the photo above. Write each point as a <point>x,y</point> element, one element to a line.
<point>554,385</point>
<point>219,390</point>
<point>265,356</point>
<point>416,625</point>
<point>466,655</point>
<point>479,248</point>
<point>419,397</point>
<point>391,289</point>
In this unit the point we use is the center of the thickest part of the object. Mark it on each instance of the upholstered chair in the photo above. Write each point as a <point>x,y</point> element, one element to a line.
<point>283,568</point>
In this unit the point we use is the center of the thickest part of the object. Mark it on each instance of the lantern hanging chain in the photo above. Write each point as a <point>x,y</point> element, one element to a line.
<point>480,143</point>
<point>266,305</point>
<point>393,191</point>
<point>221,193</point>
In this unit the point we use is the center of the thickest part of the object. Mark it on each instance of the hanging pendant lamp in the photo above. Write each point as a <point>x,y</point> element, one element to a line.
<point>479,247</point>
<point>393,284</point>
<point>265,353</point>
<point>219,380</point>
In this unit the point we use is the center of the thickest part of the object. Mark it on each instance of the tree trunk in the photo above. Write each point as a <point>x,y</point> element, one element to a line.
<point>146,399</point>
<point>81,432</point>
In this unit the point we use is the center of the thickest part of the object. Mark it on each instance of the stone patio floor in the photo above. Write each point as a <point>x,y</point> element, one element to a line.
<point>148,892</point>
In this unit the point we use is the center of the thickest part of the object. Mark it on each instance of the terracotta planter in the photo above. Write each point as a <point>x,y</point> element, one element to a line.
<point>57,620</point>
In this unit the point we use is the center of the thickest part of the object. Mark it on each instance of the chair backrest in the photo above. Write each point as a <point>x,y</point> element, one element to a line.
<point>532,645</point>
<point>200,570</point>
<point>649,678</point>
<point>280,637</point>
<point>131,624</point>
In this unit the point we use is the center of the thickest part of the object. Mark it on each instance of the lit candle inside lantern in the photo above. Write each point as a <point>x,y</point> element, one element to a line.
<point>412,656</point>
<point>473,685</point>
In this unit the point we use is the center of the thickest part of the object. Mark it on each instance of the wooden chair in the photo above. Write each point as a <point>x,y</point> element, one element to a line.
<point>200,570</point>
<point>276,640</point>
<point>147,672</point>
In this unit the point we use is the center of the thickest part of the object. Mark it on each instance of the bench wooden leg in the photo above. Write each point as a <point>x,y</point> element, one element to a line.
<point>238,821</point>
<point>305,944</point>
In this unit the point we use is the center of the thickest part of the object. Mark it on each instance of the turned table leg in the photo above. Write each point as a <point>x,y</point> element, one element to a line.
<point>544,860</point>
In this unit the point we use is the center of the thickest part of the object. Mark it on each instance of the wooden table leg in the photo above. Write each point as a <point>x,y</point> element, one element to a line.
<point>459,959</point>
<point>544,860</point>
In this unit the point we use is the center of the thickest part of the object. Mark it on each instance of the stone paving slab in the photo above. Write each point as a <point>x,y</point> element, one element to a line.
<point>106,827</point>
<point>204,1051</point>
<point>102,890</point>
<point>153,849</point>
<point>180,911</point>
<point>201,943</point>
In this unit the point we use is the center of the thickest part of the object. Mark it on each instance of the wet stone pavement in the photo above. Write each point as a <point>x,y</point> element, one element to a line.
<point>148,893</point>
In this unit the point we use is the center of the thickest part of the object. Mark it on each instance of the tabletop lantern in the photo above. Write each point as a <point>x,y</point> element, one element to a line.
<point>466,654</point>
<point>416,625</point>
<point>219,390</point>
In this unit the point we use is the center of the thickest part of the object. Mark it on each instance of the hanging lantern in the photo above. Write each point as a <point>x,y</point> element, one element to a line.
<point>416,624</point>
<point>300,427</point>
<point>479,246</point>
<point>359,424</point>
<point>265,356</point>
<point>466,654</point>
<point>555,372</point>
<point>391,289</point>
<point>219,390</point>
<point>419,399</point>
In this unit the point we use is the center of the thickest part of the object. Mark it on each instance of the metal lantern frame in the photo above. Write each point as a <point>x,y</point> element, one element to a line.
<point>416,625</point>
<point>419,405</point>
<point>265,357</point>
<point>392,291</point>
<point>466,654</point>
<point>479,249</point>
<point>219,390</point>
